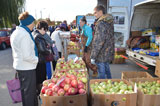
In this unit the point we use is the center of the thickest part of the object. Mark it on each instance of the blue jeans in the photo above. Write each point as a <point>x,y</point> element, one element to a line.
<point>103,70</point>
<point>48,70</point>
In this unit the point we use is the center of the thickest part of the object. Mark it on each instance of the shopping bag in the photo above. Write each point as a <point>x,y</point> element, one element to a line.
<point>14,89</point>
<point>55,52</point>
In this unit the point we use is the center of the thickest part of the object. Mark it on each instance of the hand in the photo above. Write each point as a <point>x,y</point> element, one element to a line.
<point>85,49</point>
<point>93,61</point>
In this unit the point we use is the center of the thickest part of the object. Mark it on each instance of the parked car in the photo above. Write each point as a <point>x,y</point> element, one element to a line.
<point>4,39</point>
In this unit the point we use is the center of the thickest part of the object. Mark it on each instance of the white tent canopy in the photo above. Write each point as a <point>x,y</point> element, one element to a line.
<point>146,15</point>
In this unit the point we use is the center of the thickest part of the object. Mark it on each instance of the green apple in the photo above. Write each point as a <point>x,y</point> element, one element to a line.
<point>72,66</point>
<point>109,82</point>
<point>130,87</point>
<point>84,79</point>
<point>124,99</point>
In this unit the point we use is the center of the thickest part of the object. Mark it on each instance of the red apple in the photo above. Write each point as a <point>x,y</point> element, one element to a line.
<point>55,89</point>
<point>73,77</point>
<point>71,91</point>
<point>74,83</point>
<point>61,92</point>
<point>50,85</point>
<point>66,87</point>
<point>82,91</point>
<point>76,90</point>
<point>80,82</point>
<point>81,86</point>
<point>46,82</point>
<point>62,84</point>
<point>67,80</point>
<point>49,92</point>
<point>54,80</point>
<point>68,75</point>
<point>44,88</point>
<point>66,94</point>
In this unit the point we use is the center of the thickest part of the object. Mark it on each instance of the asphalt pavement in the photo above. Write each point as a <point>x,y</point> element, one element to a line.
<point>8,73</point>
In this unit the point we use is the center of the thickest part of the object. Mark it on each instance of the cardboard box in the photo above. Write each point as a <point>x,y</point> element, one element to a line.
<point>157,71</point>
<point>71,51</point>
<point>119,61</point>
<point>120,51</point>
<point>112,99</point>
<point>133,74</point>
<point>136,33</point>
<point>143,99</point>
<point>76,100</point>
<point>148,32</point>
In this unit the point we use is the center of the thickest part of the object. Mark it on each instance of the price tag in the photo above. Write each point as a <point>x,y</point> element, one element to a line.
<point>76,59</point>
<point>59,82</point>
<point>135,87</point>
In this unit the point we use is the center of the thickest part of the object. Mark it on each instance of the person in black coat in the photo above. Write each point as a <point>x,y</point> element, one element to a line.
<point>43,51</point>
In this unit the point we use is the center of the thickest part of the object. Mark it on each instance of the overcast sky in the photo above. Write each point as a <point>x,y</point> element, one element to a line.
<point>60,9</point>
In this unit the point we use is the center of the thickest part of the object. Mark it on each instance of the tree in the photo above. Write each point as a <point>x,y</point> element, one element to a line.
<point>9,12</point>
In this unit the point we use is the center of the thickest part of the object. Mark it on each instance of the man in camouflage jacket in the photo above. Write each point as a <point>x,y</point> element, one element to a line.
<point>102,52</point>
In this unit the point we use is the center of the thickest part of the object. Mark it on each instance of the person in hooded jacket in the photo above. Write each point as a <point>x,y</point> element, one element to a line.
<point>43,51</point>
<point>102,52</point>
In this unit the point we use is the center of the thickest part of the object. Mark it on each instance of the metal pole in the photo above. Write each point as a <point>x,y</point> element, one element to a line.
<point>65,49</point>
<point>41,13</point>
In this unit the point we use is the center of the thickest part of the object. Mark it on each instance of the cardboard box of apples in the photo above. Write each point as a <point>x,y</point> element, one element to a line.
<point>118,59</point>
<point>76,64</point>
<point>73,48</point>
<point>148,91</point>
<point>115,92</point>
<point>66,88</point>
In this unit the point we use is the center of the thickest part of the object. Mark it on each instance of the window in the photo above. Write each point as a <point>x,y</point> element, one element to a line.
<point>3,33</point>
<point>119,20</point>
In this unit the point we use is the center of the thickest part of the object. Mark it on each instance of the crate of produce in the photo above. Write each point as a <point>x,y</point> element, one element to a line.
<point>120,51</point>
<point>73,45</point>
<point>115,92</point>
<point>133,74</point>
<point>70,65</point>
<point>148,91</point>
<point>73,48</point>
<point>118,59</point>
<point>71,51</point>
<point>66,89</point>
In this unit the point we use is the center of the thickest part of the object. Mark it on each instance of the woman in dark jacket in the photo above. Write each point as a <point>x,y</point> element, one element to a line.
<point>43,51</point>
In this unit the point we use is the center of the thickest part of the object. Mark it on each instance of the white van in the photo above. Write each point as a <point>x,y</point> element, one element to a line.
<point>145,15</point>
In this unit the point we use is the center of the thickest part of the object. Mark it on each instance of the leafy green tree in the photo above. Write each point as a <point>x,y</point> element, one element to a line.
<point>9,12</point>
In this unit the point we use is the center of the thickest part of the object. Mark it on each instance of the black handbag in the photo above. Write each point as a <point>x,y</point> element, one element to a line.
<point>50,56</point>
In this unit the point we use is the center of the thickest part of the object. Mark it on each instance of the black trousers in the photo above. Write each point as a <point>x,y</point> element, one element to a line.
<point>40,73</point>
<point>28,87</point>
<point>55,62</point>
